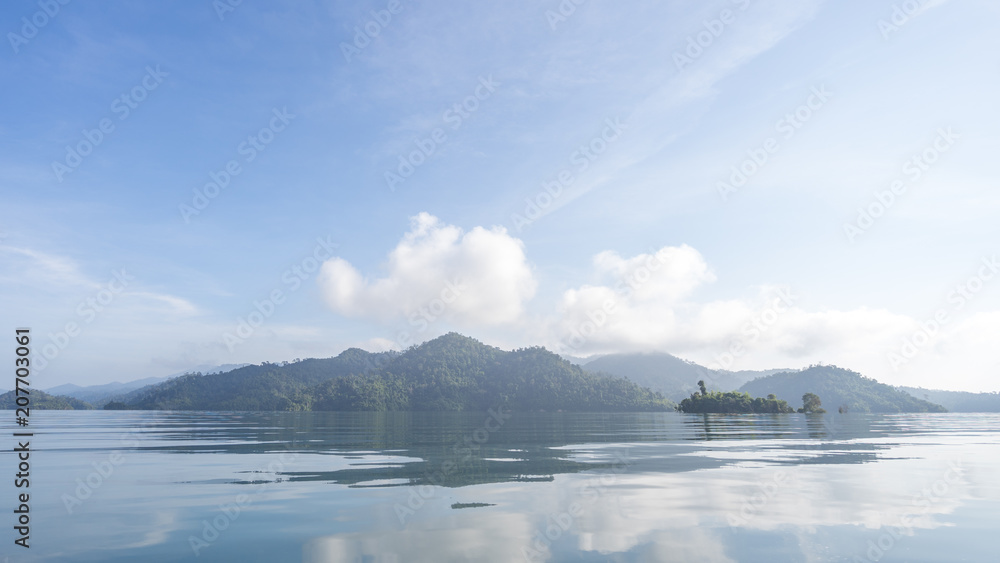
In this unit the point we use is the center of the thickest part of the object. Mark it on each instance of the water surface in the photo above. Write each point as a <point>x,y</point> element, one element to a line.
<point>317,487</point>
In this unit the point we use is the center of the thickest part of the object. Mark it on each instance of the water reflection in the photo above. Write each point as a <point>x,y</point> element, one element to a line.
<point>538,487</point>
<point>405,449</point>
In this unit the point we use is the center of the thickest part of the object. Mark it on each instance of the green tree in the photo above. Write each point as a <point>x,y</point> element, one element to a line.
<point>701,385</point>
<point>812,404</point>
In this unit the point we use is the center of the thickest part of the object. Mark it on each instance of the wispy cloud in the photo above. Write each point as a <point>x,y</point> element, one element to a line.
<point>39,267</point>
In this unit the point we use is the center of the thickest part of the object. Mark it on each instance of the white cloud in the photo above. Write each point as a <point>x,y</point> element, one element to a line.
<point>32,266</point>
<point>638,305</point>
<point>647,302</point>
<point>166,304</point>
<point>480,277</point>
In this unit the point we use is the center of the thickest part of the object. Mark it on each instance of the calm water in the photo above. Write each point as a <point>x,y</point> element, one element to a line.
<point>167,486</point>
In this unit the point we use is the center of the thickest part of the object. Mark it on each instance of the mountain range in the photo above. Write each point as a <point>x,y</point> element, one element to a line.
<point>454,372</point>
<point>100,394</point>
<point>670,375</point>
<point>840,389</point>
<point>958,401</point>
<point>450,373</point>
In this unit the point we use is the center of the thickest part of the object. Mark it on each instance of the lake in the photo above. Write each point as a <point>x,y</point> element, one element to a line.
<point>393,487</point>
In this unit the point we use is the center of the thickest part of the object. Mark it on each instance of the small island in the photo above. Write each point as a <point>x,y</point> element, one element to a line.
<point>736,402</point>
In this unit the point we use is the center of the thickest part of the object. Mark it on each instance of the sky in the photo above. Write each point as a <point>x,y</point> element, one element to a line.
<point>746,184</point>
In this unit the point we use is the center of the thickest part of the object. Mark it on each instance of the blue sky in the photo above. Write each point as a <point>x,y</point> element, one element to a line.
<point>644,108</point>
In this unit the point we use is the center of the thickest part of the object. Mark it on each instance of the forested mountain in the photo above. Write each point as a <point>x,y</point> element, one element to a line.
<point>578,360</point>
<point>456,373</point>
<point>450,373</point>
<point>265,387</point>
<point>669,374</point>
<point>43,401</point>
<point>839,387</point>
<point>958,401</point>
<point>97,395</point>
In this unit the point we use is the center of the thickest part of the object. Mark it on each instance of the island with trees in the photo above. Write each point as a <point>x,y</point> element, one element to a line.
<point>736,402</point>
<point>731,402</point>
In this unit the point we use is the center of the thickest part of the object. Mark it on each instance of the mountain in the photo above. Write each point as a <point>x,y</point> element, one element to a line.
<point>450,373</point>
<point>838,387</point>
<point>670,375</point>
<point>41,400</point>
<point>97,393</point>
<point>578,360</point>
<point>265,387</point>
<point>208,368</point>
<point>748,375</point>
<point>100,394</point>
<point>958,401</point>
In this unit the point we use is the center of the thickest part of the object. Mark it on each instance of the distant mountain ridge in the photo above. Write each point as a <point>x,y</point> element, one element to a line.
<point>958,401</point>
<point>41,400</point>
<point>676,378</point>
<point>100,394</point>
<point>838,387</point>
<point>95,393</point>
<point>264,387</point>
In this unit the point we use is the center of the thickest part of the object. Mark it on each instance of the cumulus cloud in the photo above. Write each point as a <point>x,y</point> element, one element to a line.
<point>479,277</point>
<point>480,282</point>
<point>636,304</point>
<point>649,303</point>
